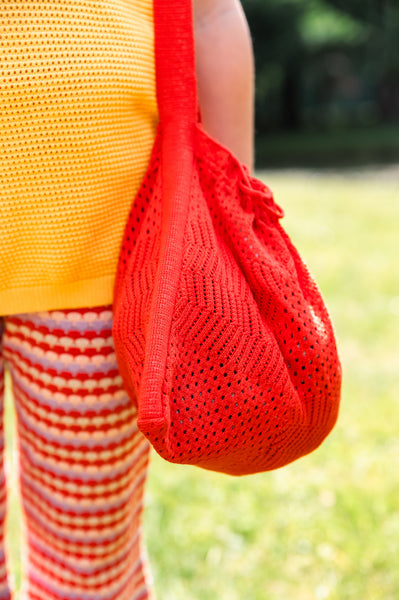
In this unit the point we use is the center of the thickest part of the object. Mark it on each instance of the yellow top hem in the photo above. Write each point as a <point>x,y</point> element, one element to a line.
<point>81,294</point>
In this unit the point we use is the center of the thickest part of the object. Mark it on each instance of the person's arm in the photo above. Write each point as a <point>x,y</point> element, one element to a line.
<point>225,72</point>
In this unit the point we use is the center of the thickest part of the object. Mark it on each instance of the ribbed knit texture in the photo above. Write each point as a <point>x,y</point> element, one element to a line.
<point>222,336</point>
<point>77,119</point>
<point>83,461</point>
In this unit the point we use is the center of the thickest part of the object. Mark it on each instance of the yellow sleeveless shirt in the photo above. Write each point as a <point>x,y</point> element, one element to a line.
<point>77,122</point>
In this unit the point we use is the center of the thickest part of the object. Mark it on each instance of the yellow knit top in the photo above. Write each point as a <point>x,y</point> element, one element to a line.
<point>77,122</point>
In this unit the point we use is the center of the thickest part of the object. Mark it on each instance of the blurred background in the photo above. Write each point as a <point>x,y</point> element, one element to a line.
<point>327,143</point>
<point>327,80</point>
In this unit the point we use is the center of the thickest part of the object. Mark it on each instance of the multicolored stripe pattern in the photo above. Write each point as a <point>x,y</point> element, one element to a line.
<point>83,462</point>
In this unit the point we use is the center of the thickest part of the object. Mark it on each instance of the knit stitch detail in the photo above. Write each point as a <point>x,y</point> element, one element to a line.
<point>77,121</point>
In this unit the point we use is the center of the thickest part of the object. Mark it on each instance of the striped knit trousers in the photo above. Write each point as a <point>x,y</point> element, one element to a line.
<point>83,463</point>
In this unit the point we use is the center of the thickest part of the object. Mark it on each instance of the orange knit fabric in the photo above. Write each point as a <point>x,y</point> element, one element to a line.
<point>77,121</point>
<point>222,336</point>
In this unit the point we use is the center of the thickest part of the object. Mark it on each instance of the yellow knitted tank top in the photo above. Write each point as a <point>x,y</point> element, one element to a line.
<point>77,122</point>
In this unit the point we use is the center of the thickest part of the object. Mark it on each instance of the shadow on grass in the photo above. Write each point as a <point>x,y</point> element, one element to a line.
<point>347,148</point>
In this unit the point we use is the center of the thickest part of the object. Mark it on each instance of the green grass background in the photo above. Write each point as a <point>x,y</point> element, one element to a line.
<point>327,526</point>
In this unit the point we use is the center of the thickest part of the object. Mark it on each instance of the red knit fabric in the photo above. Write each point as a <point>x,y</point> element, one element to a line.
<point>222,336</point>
<point>83,462</point>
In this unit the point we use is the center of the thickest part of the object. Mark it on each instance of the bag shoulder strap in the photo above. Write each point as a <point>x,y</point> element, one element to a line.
<point>175,61</point>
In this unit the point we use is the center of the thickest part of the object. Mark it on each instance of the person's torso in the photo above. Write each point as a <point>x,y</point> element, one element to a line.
<point>77,121</point>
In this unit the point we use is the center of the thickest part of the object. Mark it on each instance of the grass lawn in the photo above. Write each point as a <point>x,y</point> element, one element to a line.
<point>327,526</point>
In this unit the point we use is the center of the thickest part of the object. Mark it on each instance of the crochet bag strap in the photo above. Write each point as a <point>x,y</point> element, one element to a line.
<point>175,63</point>
<point>177,107</point>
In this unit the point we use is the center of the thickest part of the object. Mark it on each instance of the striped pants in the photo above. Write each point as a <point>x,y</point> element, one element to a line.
<point>83,463</point>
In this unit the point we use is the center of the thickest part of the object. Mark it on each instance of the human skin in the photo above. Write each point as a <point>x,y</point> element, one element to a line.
<point>225,73</point>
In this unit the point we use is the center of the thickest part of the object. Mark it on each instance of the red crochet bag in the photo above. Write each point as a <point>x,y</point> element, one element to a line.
<point>222,337</point>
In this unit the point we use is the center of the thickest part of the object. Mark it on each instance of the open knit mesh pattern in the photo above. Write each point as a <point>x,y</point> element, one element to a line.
<point>78,116</point>
<point>251,379</point>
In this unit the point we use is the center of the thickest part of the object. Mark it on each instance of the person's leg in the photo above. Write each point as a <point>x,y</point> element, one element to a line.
<point>83,460</point>
<point>4,589</point>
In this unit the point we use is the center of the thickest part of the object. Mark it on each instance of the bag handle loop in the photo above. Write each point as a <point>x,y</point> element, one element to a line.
<point>175,61</point>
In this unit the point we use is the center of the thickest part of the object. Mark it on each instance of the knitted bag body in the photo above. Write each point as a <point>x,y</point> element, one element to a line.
<point>222,337</point>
